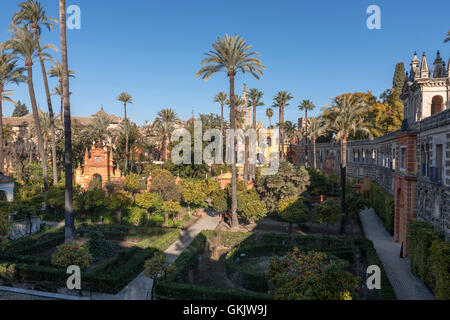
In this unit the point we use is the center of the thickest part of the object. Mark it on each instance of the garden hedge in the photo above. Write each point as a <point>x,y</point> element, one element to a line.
<point>383,204</point>
<point>109,277</point>
<point>430,258</point>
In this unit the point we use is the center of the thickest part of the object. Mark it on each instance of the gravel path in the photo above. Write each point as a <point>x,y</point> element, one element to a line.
<point>405,284</point>
<point>140,287</point>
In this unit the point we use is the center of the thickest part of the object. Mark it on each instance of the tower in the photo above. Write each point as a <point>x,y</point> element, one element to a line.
<point>245,108</point>
<point>425,93</point>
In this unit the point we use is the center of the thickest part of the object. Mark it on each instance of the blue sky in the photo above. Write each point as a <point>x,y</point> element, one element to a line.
<point>152,49</point>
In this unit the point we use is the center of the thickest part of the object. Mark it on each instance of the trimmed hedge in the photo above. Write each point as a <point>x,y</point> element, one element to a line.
<point>383,204</point>
<point>173,288</point>
<point>386,292</point>
<point>110,276</point>
<point>430,258</point>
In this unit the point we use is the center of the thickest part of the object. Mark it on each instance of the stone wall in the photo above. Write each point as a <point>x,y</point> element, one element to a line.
<point>379,159</point>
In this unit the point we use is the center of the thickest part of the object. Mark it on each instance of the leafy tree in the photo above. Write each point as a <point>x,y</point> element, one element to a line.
<point>219,200</point>
<point>311,276</point>
<point>292,210</point>
<point>150,201</point>
<point>157,267</point>
<point>327,212</point>
<point>250,207</point>
<point>163,183</point>
<point>288,182</point>
<point>170,207</point>
<point>94,200</point>
<point>193,192</point>
<point>132,183</point>
<point>20,109</point>
<point>318,184</point>
<point>118,200</point>
<point>230,55</point>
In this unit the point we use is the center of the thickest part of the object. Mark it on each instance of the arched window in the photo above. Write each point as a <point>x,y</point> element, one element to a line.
<point>437,104</point>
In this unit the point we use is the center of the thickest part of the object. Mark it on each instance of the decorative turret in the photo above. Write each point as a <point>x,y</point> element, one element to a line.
<point>424,71</point>
<point>448,68</point>
<point>438,67</point>
<point>415,70</point>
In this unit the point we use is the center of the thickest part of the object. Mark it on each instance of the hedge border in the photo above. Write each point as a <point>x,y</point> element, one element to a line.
<point>108,277</point>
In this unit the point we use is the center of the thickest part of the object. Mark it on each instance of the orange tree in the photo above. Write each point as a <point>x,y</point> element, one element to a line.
<point>311,276</point>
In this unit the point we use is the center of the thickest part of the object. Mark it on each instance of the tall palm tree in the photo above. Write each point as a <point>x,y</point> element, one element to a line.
<point>269,114</point>
<point>125,98</point>
<point>281,100</point>
<point>255,97</point>
<point>306,105</point>
<point>56,71</point>
<point>231,55</point>
<point>125,129</point>
<point>221,98</point>
<point>164,125</point>
<point>10,73</point>
<point>316,129</point>
<point>24,45</point>
<point>343,117</point>
<point>448,36</point>
<point>69,218</point>
<point>98,129</point>
<point>31,14</point>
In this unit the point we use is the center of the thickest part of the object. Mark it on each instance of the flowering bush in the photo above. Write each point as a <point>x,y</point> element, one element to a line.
<point>71,254</point>
<point>311,276</point>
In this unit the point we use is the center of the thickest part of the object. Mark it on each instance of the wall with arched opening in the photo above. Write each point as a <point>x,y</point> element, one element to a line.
<point>437,104</point>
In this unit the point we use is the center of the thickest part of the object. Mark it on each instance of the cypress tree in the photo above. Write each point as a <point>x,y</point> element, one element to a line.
<point>399,77</point>
<point>20,109</point>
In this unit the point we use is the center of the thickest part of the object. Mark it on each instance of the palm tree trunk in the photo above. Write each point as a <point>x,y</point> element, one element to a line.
<point>314,154</point>
<point>50,109</point>
<point>125,109</point>
<point>68,203</point>
<point>221,118</point>
<point>62,100</point>
<point>37,124</point>
<point>343,176</point>
<point>234,217</point>
<point>306,137</point>
<point>280,134</point>
<point>270,121</point>
<point>126,152</point>
<point>254,116</point>
<point>1,131</point>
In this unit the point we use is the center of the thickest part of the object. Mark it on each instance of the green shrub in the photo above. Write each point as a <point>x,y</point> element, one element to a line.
<point>430,258</point>
<point>137,215</point>
<point>383,204</point>
<point>97,245</point>
<point>71,254</point>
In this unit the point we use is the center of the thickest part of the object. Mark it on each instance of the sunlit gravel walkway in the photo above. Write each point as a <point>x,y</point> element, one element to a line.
<point>140,287</point>
<point>405,284</point>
